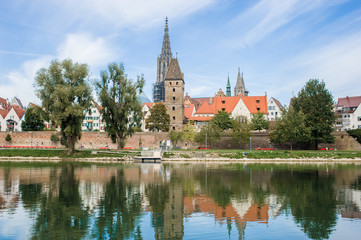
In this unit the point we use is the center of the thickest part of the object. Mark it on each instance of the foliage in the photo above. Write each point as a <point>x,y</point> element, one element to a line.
<point>211,133</point>
<point>65,93</point>
<point>356,133</point>
<point>32,121</point>
<point>189,132</point>
<point>159,119</point>
<point>8,138</point>
<point>222,120</point>
<point>241,131</point>
<point>175,137</point>
<point>259,122</point>
<point>122,111</point>
<point>54,138</point>
<point>290,128</point>
<point>316,102</point>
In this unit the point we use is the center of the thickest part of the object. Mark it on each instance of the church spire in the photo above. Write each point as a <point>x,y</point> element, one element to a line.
<point>240,87</point>
<point>166,51</point>
<point>228,91</point>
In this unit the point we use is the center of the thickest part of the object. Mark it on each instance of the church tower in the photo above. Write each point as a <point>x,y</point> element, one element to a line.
<point>240,88</point>
<point>163,62</point>
<point>174,95</point>
<point>228,89</point>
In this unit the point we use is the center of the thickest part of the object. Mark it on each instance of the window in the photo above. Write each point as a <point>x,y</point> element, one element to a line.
<point>272,113</point>
<point>176,83</point>
<point>223,102</point>
<point>269,107</point>
<point>258,109</point>
<point>173,89</point>
<point>223,109</point>
<point>173,128</point>
<point>276,113</point>
<point>173,108</point>
<point>173,98</point>
<point>173,118</point>
<point>170,83</point>
<point>94,111</point>
<point>358,118</point>
<point>257,101</point>
<point>271,101</point>
<point>359,126</point>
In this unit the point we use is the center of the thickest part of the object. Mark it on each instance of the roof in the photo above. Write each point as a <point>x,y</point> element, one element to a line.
<point>349,101</point>
<point>201,118</point>
<point>174,71</point>
<point>188,110</point>
<point>220,104</point>
<point>20,112</point>
<point>3,113</point>
<point>148,104</point>
<point>278,103</point>
<point>253,106</point>
<point>5,104</point>
<point>99,107</point>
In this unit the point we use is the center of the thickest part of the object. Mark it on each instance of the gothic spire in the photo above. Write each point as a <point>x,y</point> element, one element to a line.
<point>240,87</point>
<point>228,91</point>
<point>166,51</point>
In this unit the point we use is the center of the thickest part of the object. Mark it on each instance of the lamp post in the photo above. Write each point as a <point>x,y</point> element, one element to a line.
<point>206,141</point>
<point>250,144</point>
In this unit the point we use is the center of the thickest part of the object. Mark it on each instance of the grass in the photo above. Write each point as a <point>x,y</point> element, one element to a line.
<point>61,153</point>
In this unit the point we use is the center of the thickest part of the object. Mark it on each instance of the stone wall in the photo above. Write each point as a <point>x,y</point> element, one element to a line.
<point>91,140</point>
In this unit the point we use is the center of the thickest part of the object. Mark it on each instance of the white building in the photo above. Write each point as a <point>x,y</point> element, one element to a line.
<point>348,112</point>
<point>93,120</point>
<point>274,109</point>
<point>11,118</point>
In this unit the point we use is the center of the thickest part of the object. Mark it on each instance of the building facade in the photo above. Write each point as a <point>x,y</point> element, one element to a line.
<point>274,109</point>
<point>348,113</point>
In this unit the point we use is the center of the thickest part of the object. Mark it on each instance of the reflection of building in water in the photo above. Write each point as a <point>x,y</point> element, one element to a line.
<point>91,193</point>
<point>173,214</point>
<point>351,199</point>
<point>275,204</point>
<point>9,193</point>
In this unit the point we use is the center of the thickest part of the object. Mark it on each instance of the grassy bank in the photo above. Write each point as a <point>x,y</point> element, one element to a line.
<point>61,153</point>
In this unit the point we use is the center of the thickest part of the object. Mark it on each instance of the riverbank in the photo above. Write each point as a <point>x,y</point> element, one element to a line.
<point>183,156</point>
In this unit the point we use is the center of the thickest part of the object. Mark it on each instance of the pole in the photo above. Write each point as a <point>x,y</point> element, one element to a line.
<point>250,144</point>
<point>355,145</point>
<point>206,140</point>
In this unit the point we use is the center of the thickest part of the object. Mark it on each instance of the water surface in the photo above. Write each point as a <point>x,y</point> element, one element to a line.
<point>179,201</point>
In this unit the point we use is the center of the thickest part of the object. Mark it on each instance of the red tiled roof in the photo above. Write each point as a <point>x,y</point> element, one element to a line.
<point>206,108</point>
<point>4,103</point>
<point>148,104</point>
<point>20,112</point>
<point>349,101</point>
<point>3,113</point>
<point>220,104</point>
<point>278,103</point>
<point>252,104</point>
<point>188,110</point>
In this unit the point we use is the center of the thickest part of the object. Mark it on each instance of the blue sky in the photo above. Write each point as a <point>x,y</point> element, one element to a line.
<point>278,44</point>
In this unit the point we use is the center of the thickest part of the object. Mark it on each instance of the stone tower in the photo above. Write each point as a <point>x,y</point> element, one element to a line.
<point>163,62</point>
<point>240,88</point>
<point>228,91</point>
<point>174,95</point>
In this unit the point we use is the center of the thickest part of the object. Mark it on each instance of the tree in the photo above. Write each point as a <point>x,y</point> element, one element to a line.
<point>259,122</point>
<point>159,119</point>
<point>175,137</point>
<point>211,133</point>
<point>241,130</point>
<point>33,121</point>
<point>291,128</point>
<point>122,111</point>
<point>355,133</point>
<point>189,132</point>
<point>8,138</point>
<point>316,102</point>
<point>223,120</point>
<point>65,93</point>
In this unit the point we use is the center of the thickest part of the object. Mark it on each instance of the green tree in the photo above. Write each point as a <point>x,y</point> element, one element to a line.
<point>8,138</point>
<point>211,133</point>
<point>175,137</point>
<point>355,133</point>
<point>291,128</point>
<point>189,132</point>
<point>32,121</point>
<point>316,102</point>
<point>259,122</point>
<point>159,119</point>
<point>122,111</point>
<point>223,120</point>
<point>241,130</point>
<point>64,92</point>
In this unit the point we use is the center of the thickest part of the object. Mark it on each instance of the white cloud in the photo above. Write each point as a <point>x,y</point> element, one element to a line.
<point>268,16</point>
<point>82,48</point>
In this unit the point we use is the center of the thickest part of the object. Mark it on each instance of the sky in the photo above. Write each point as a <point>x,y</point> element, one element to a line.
<point>278,44</point>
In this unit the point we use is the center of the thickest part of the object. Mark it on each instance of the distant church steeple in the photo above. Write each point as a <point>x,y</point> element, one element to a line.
<point>228,90</point>
<point>240,87</point>
<point>163,62</point>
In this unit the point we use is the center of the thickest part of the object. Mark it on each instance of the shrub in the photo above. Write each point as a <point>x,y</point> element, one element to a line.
<point>54,138</point>
<point>8,138</point>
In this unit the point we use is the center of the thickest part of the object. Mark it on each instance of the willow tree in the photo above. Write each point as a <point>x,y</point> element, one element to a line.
<point>65,93</point>
<point>122,111</point>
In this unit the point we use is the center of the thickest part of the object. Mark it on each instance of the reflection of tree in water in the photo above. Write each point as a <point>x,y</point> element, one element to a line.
<point>158,196</point>
<point>30,196</point>
<point>62,216</point>
<point>119,211</point>
<point>311,199</point>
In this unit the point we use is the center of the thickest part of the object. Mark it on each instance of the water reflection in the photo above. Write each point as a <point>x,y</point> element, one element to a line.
<point>164,201</point>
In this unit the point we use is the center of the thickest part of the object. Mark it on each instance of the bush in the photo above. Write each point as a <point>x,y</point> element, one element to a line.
<point>54,138</point>
<point>355,133</point>
<point>8,138</point>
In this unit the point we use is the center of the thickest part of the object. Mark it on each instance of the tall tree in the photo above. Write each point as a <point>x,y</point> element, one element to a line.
<point>241,130</point>
<point>189,132</point>
<point>65,93</point>
<point>316,102</point>
<point>159,119</point>
<point>33,121</point>
<point>175,137</point>
<point>291,128</point>
<point>223,120</point>
<point>210,134</point>
<point>122,111</point>
<point>259,121</point>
